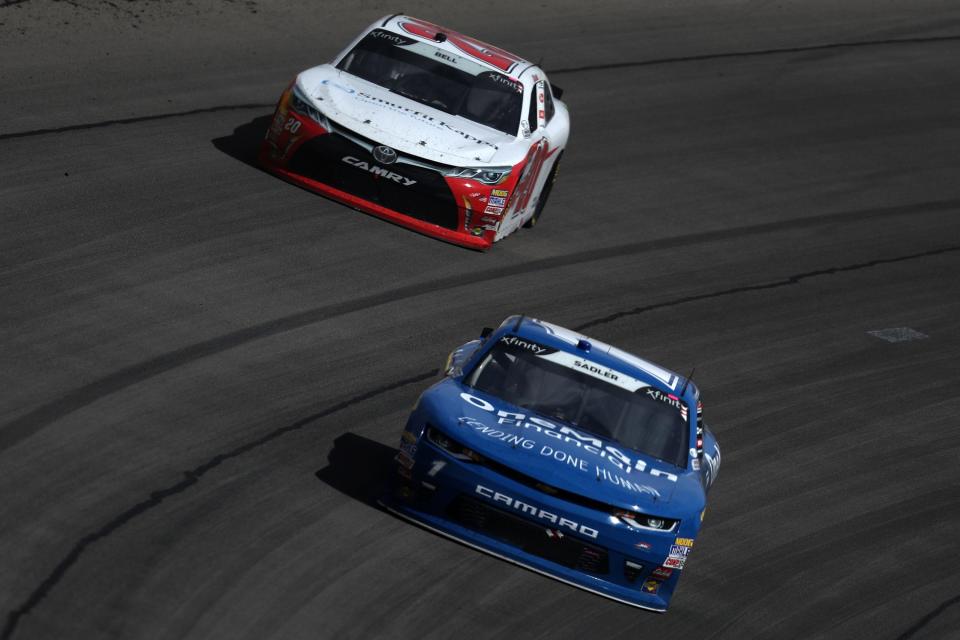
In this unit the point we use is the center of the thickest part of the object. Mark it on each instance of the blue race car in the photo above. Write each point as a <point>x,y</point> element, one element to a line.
<point>563,455</point>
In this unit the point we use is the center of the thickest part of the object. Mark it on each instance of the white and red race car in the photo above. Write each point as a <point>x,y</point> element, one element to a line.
<point>425,127</point>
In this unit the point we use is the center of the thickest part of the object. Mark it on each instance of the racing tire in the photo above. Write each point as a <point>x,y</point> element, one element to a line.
<point>544,194</point>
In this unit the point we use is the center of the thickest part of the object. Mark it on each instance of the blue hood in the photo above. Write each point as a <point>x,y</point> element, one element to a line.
<point>555,453</point>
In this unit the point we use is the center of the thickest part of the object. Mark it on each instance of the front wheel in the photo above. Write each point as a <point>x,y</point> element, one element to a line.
<point>544,194</point>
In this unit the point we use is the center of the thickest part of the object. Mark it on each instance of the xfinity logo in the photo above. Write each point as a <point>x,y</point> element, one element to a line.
<point>380,171</point>
<point>536,512</point>
<point>514,341</point>
<point>671,400</point>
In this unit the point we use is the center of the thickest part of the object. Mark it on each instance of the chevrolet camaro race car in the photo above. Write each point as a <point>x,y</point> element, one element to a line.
<point>564,455</point>
<point>425,127</point>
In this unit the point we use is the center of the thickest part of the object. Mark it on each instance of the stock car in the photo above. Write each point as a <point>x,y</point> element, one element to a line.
<point>425,127</point>
<point>564,455</point>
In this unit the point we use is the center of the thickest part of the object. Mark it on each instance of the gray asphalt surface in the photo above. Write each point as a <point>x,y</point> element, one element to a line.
<point>204,369</point>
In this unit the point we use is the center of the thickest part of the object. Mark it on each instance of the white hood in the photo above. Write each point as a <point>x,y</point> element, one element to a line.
<point>406,125</point>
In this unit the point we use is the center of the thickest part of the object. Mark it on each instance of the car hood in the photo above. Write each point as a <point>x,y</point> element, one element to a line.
<point>406,125</point>
<point>552,455</point>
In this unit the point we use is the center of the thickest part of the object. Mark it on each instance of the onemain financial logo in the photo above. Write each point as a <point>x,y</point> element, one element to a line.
<point>536,512</point>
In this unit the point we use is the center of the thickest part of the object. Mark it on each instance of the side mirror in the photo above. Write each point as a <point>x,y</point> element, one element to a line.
<point>485,333</point>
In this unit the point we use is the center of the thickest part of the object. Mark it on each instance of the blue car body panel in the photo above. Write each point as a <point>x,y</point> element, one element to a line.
<point>548,495</point>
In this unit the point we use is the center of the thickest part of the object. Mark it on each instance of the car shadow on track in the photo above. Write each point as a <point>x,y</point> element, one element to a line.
<point>358,467</point>
<point>244,142</point>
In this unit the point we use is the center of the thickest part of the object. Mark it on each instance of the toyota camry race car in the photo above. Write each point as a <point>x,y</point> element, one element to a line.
<point>564,455</point>
<point>425,127</point>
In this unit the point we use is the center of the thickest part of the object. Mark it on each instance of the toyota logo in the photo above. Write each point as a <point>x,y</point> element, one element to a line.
<point>384,154</point>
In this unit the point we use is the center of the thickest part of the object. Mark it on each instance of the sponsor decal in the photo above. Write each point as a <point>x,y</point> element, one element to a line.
<point>695,464</point>
<point>662,572</point>
<point>423,117</point>
<point>674,563</point>
<point>378,171</point>
<point>685,542</point>
<point>380,34</point>
<point>497,201</point>
<point>666,398</point>
<point>516,341</point>
<point>502,80</point>
<point>588,443</point>
<point>678,551</point>
<point>495,210</point>
<point>646,546</point>
<point>535,511</point>
<point>406,436</point>
<point>501,193</point>
<point>651,586</point>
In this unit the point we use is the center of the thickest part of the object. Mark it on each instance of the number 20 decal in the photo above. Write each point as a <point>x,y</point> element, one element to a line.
<point>293,125</point>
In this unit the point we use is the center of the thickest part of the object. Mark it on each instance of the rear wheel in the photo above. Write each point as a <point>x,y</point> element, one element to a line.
<point>544,194</point>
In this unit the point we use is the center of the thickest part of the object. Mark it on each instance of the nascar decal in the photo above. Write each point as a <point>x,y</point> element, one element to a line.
<point>589,443</point>
<point>535,511</point>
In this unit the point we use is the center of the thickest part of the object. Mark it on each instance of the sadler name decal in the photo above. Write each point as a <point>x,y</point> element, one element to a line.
<point>590,444</point>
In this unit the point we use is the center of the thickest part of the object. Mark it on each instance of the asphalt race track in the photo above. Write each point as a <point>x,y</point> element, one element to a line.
<point>204,370</point>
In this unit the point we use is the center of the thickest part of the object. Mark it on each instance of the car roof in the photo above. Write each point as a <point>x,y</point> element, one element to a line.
<point>557,337</point>
<point>495,58</point>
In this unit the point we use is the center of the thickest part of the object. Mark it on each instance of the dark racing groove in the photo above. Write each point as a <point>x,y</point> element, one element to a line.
<point>26,425</point>
<point>567,70</point>
<point>193,476</point>
<point>109,123</point>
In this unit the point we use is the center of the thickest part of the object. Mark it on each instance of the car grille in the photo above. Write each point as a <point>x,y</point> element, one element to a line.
<point>567,550</point>
<point>429,199</point>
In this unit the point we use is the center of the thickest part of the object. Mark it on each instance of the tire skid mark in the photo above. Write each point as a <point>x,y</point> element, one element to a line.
<point>925,620</point>
<point>33,421</point>
<point>190,478</point>
<point>193,476</point>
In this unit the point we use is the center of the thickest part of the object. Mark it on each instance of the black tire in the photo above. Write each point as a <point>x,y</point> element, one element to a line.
<point>547,187</point>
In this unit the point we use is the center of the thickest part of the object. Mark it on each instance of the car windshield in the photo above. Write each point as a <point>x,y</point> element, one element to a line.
<point>645,420</point>
<point>437,78</point>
